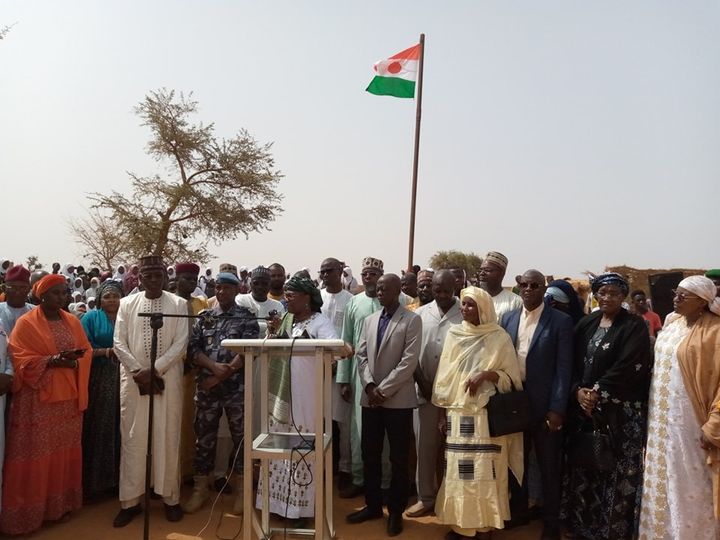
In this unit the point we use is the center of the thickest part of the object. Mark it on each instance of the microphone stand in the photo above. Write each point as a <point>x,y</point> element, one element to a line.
<point>156,323</point>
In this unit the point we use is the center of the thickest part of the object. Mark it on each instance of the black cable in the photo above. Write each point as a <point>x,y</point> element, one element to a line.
<point>306,445</point>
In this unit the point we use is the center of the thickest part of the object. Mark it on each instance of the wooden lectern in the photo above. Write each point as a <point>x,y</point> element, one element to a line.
<point>268,446</point>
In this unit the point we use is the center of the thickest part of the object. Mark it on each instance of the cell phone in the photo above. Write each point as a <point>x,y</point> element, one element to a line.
<point>78,351</point>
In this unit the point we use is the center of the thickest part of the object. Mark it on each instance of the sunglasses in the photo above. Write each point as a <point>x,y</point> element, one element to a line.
<point>532,286</point>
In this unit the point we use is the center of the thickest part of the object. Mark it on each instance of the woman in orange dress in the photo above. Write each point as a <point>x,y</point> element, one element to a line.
<point>43,463</point>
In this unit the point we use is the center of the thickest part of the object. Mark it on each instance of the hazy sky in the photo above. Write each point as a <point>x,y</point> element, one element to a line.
<point>568,135</point>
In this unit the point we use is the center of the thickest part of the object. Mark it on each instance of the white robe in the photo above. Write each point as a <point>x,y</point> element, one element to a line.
<point>334,309</point>
<point>132,344</point>
<point>506,301</point>
<point>677,501</point>
<point>260,309</point>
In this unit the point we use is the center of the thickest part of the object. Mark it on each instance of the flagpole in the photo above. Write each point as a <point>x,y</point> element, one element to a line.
<point>418,114</point>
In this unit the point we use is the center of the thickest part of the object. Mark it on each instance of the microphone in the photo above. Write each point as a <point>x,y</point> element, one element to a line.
<point>208,319</point>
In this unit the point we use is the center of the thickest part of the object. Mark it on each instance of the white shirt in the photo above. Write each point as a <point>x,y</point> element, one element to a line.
<point>505,301</point>
<point>526,329</point>
<point>334,307</point>
<point>435,326</point>
<point>260,309</point>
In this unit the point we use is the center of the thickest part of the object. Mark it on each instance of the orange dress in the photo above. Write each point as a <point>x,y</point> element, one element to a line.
<point>43,463</point>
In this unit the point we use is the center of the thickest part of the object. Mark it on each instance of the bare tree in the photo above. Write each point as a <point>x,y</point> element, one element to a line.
<point>5,30</point>
<point>33,263</point>
<point>101,241</point>
<point>213,190</point>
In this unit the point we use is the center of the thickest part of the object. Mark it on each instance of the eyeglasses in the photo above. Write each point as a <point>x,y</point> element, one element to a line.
<point>683,296</point>
<point>532,285</point>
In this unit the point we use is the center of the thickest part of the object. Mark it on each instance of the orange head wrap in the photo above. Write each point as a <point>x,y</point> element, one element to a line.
<point>46,283</point>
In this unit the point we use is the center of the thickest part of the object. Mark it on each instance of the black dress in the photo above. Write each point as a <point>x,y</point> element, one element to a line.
<point>616,362</point>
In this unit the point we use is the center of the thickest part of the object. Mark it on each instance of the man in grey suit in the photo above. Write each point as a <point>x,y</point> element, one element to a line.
<point>387,357</point>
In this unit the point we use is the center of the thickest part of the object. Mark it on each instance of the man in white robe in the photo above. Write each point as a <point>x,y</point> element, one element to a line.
<point>335,299</point>
<point>259,304</point>
<point>492,272</point>
<point>132,341</point>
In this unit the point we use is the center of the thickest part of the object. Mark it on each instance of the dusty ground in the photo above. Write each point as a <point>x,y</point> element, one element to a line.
<point>94,522</point>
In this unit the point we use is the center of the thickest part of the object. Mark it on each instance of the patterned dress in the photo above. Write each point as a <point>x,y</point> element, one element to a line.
<point>605,505</point>
<point>474,492</point>
<point>677,491</point>
<point>43,453</point>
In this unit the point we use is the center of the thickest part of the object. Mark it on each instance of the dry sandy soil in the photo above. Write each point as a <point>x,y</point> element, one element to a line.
<point>94,522</point>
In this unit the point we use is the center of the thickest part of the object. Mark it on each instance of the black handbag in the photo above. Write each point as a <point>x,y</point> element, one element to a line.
<point>592,446</point>
<point>508,413</point>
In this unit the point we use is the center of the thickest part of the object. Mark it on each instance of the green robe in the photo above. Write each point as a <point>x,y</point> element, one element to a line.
<point>356,311</point>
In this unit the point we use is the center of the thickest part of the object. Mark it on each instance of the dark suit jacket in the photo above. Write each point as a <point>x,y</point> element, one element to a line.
<point>392,366</point>
<point>549,362</point>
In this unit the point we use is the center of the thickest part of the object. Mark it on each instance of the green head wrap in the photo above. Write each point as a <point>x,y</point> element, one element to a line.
<point>303,284</point>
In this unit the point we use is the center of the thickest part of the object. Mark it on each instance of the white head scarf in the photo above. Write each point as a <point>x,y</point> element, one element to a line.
<point>203,281</point>
<point>92,290</point>
<point>2,266</point>
<point>705,289</point>
<point>78,287</point>
<point>120,276</point>
<point>348,281</point>
<point>66,272</point>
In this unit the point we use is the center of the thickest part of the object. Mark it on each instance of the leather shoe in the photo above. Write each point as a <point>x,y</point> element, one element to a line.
<point>221,484</point>
<point>363,515</point>
<point>173,512</point>
<point>126,515</point>
<point>418,510</point>
<point>344,481</point>
<point>550,532</point>
<point>352,491</point>
<point>452,535</point>
<point>517,522</point>
<point>395,524</point>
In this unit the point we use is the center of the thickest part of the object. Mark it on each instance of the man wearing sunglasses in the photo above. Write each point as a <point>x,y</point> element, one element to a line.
<point>543,339</point>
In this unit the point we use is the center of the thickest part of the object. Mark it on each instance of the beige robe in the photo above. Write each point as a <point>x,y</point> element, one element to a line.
<point>132,345</point>
<point>474,494</point>
<point>699,358</point>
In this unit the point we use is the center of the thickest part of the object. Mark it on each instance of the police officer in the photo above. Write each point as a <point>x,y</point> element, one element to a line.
<point>220,386</point>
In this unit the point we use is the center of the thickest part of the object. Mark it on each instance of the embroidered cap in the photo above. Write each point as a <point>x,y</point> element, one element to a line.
<point>371,262</point>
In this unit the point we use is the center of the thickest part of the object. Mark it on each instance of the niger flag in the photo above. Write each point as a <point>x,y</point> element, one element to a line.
<point>396,75</point>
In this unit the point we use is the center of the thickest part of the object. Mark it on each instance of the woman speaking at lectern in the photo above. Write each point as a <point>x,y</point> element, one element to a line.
<point>292,398</point>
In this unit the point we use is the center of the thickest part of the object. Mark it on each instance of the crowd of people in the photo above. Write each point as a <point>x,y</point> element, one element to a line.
<point>620,438</point>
